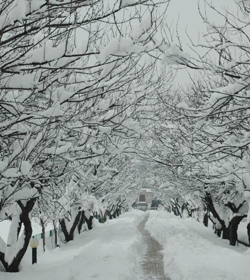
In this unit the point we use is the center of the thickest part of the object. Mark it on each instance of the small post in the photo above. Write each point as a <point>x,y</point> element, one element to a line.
<point>218,229</point>
<point>34,242</point>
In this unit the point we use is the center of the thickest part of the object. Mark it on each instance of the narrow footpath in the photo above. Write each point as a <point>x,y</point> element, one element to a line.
<point>152,262</point>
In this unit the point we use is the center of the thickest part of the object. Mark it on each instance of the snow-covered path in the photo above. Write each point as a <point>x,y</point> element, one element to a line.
<point>152,261</point>
<point>117,250</point>
<point>111,251</point>
<point>194,252</point>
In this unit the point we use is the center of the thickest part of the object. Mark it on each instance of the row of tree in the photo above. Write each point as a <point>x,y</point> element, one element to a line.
<point>73,76</point>
<point>200,134</point>
<point>82,95</point>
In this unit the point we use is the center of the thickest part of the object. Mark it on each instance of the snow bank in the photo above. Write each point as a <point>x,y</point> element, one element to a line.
<point>242,231</point>
<point>110,251</point>
<point>194,252</point>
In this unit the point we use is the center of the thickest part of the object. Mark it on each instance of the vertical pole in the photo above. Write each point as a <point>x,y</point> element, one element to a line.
<point>34,254</point>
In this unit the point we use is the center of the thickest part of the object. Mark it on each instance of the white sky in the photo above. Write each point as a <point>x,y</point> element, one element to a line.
<point>186,14</point>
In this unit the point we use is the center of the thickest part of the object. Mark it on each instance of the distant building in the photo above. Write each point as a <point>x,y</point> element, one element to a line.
<point>146,196</point>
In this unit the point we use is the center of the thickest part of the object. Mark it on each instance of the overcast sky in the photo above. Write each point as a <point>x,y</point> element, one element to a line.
<point>186,14</point>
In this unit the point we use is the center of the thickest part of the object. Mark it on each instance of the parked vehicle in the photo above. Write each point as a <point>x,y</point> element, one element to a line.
<point>142,206</point>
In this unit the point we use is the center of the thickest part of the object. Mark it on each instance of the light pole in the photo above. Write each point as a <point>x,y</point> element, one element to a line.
<point>34,242</point>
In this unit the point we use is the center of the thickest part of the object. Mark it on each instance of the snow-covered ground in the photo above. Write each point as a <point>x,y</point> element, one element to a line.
<point>194,252</point>
<point>113,251</point>
<point>110,251</point>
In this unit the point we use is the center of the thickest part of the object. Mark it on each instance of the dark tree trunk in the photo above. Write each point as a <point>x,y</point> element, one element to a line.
<point>248,232</point>
<point>55,230</point>
<point>176,208</point>
<point>225,232</point>
<point>89,221</point>
<point>118,212</point>
<point>69,235</point>
<point>79,227</point>
<point>210,206</point>
<point>218,232</point>
<point>233,227</point>
<point>108,213</point>
<point>205,220</point>
<point>43,232</point>
<point>25,220</point>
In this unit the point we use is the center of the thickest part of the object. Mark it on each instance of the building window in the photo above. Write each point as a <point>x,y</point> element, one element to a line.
<point>142,197</point>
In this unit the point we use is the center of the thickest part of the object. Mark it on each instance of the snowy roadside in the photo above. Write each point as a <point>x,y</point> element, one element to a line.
<point>110,251</point>
<point>194,252</point>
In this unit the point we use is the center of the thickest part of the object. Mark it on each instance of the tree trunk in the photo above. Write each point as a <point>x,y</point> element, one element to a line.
<point>43,232</point>
<point>55,230</point>
<point>225,232</point>
<point>25,220</point>
<point>79,227</point>
<point>205,220</point>
<point>248,233</point>
<point>117,212</point>
<point>69,235</point>
<point>233,227</point>
<point>101,217</point>
<point>88,220</point>
<point>218,232</point>
<point>210,206</point>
